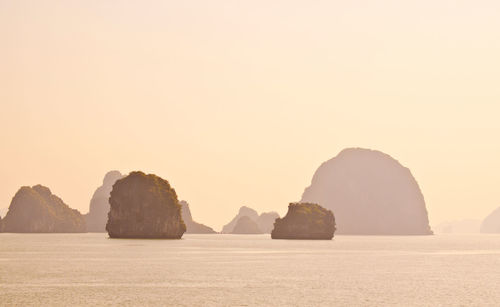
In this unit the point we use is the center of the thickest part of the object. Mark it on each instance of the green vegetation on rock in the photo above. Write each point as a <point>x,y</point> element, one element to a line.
<point>305,221</point>
<point>144,206</point>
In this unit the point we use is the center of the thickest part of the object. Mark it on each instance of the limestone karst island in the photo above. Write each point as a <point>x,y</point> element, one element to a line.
<point>36,209</point>
<point>305,221</point>
<point>144,206</point>
<point>370,193</point>
<point>360,191</point>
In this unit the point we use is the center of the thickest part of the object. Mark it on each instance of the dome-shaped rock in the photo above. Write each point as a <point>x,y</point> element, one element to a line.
<point>370,193</point>
<point>144,206</point>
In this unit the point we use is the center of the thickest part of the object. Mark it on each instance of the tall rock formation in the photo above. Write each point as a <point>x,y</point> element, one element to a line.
<point>265,221</point>
<point>246,226</point>
<point>371,194</point>
<point>144,206</point>
<point>192,226</point>
<point>491,224</point>
<point>305,221</point>
<point>99,204</point>
<point>36,209</point>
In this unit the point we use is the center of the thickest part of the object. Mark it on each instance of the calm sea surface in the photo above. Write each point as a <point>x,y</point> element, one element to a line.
<point>247,270</point>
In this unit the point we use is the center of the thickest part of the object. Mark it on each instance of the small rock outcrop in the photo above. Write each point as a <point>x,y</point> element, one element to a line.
<point>371,193</point>
<point>144,206</point>
<point>36,210</point>
<point>264,221</point>
<point>491,224</point>
<point>192,226</point>
<point>305,221</point>
<point>99,204</point>
<point>245,226</point>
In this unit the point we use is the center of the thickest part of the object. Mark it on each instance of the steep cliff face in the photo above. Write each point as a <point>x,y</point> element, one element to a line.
<point>144,206</point>
<point>264,221</point>
<point>192,226</point>
<point>36,209</point>
<point>371,194</point>
<point>491,223</point>
<point>99,204</point>
<point>245,225</point>
<point>305,221</point>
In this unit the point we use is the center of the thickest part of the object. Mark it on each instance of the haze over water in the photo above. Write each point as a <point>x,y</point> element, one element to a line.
<point>238,102</point>
<point>239,270</point>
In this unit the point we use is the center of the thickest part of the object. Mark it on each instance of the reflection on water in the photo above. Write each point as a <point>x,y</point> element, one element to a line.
<point>241,270</point>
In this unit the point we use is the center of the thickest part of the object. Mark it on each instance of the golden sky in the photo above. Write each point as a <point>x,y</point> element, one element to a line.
<point>238,102</point>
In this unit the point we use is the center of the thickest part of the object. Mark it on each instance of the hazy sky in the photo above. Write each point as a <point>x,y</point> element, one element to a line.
<point>238,102</point>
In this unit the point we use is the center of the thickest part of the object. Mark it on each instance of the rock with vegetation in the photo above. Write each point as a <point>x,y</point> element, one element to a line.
<point>264,221</point>
<point>491,224</point>
<point>245,226</point>
<point>192,226</point>
<point>305,221</point>
<point>36,210</point>
<point>99,204</point>
<point>144,206</point>
<point>371,193</point>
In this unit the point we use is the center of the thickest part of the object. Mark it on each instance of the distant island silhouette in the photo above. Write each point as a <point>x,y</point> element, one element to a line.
<point>144,206</point>
<point>491,224</point>
<point>97,216</point>
<point>192,226</point>
<point>36,210</point>
<point>305,221</point>
<point>245,225</point>
<point>370,193</point>
<point>264,221</point>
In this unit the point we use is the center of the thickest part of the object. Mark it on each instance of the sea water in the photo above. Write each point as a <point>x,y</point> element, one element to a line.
<point>249,270</point>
